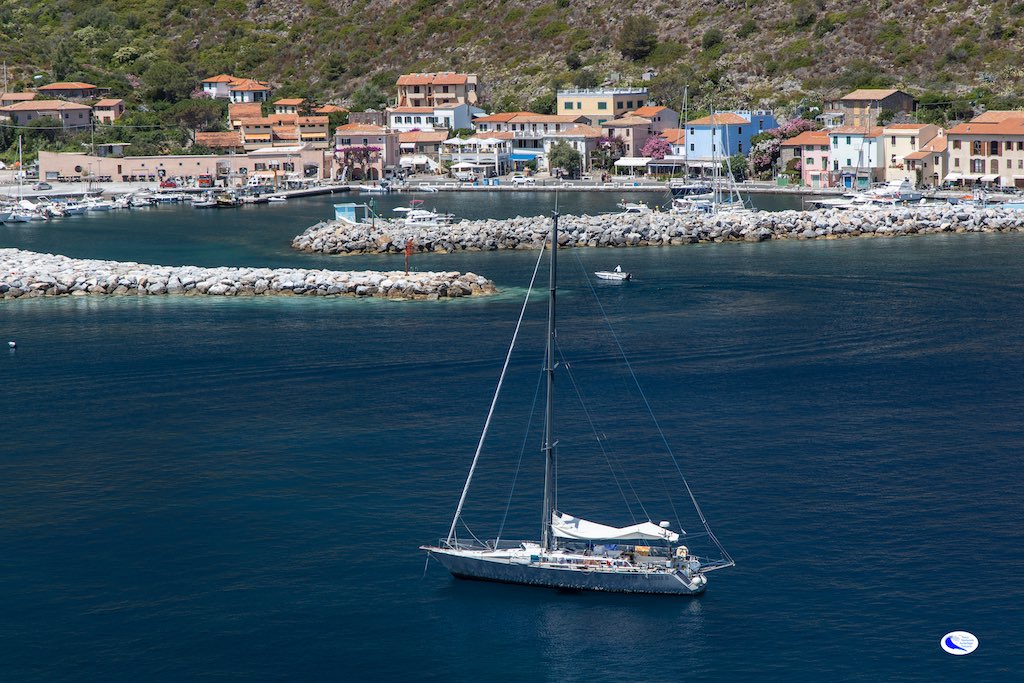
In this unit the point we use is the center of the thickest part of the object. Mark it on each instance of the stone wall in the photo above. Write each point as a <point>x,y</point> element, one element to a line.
<point>656,229</point>
<point>31,274</point>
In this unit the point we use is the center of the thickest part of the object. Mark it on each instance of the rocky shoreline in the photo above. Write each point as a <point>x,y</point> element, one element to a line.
<point>657,229</point>
<point>30,274</point>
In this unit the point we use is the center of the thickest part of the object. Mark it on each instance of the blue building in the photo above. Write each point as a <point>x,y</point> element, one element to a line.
<point>709,140</point>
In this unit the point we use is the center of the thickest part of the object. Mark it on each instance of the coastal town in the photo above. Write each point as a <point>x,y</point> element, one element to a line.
<point>436,129</point>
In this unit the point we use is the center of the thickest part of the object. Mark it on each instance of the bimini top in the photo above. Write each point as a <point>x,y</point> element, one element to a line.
<point>567,526</point>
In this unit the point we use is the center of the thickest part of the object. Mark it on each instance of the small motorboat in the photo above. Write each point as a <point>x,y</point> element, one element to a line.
<point>616,274</point>
<point>277,198</point>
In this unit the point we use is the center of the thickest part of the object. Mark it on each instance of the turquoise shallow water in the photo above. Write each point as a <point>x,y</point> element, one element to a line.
<point>235,489</point>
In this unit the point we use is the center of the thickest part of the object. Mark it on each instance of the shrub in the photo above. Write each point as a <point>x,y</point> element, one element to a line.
<point>711,38</point>
<point>747,28</point>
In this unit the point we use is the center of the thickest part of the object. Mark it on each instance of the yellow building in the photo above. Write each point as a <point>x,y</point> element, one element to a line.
<point>601,104</point>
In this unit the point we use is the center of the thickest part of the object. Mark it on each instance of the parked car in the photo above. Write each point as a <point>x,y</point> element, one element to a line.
<point>521,181</point>
<point>170,182</point>
<point>42,186</point>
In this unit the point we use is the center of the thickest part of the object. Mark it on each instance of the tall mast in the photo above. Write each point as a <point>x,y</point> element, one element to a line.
<point>547,538</point>
<point>686,141</point>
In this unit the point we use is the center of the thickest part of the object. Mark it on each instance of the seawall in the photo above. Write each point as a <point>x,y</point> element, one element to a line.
<point>31,274</point>
<point>656,229</point>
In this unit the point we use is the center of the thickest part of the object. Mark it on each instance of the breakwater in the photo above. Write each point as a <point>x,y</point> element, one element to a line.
<point>656,229</point>
<point>31,274</point>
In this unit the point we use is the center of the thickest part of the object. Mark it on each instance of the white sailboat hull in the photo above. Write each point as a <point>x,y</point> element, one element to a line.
<point>519,568</point>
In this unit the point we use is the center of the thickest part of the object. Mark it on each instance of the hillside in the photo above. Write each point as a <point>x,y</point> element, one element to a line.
<point>772,52</point>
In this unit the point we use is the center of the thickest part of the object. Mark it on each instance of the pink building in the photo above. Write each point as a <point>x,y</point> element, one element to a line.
<point>810,150</point>
<point>108,111</point>
<point>366,151</point>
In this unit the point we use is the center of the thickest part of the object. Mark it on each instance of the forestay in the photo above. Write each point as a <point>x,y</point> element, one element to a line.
<point>567,526</point>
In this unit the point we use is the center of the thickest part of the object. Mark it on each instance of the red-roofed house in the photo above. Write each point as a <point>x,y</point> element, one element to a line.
<point>109,110</point>
<point>444,116</point>
<point>434,89</point>
<point>661,118</point>
<point>73,90</point>
<point>229,141</point>
<point>900,140</point>
<point>931,162</point>
<point>365,152</point>
<point>237,90</point>
<point>988,150</point>
<point>15,97</point>
<point>861,108</point>
<point>632,130</point>
<point>811,150</point>
<point>290,105</point>
<point>709,140</point>
<point>70,114</point>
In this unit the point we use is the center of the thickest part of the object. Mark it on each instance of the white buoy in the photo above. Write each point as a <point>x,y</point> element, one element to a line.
<point>12,344</point>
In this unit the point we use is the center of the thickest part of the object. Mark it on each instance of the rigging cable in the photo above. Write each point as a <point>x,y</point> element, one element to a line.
<point>494,401</point>
<point>650,411</point>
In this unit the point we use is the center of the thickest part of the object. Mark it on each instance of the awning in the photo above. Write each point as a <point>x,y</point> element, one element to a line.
<point>463,166</point>
<point>526,154</point>
<point>969,176</point>
<point>633,162</point>
<point>567,526</point>
<point>414,160</point>
<point>953,177</point>
<point>988,177</point>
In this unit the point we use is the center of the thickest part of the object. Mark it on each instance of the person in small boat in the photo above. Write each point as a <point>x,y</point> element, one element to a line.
<point>618,269</point>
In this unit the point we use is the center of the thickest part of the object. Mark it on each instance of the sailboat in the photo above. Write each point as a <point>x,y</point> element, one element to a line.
<point>572,553</point>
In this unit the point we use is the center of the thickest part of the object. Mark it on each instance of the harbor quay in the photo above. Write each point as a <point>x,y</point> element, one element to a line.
<point>657,229</point>
<point>28,274</point>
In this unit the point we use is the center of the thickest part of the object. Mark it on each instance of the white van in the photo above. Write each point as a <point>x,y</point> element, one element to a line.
<point>522,181</point>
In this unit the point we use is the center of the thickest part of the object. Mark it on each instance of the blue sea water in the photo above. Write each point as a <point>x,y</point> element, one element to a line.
<point>235,489</point>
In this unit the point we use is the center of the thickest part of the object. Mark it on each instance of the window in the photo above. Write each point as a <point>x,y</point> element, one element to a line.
<point>629,104</point>
<point>835,165</point>
<point>913,141</point>
<point>936,162</point>
<point>956,144</point>
<point>618,105</point>
<point>691,131</point>
<point>602,105</point>
<point>568,105</point>
<point>976,147</point>
<point>893,137</point>
<point>977,165</point>
<point>993,148</point>
<point>691,147</point>
<point>1020,146</point>
<point>956,162</point>
<point>847,139</point>
<point>739,148</point>
<point>809,161</point>
<point>848,163</point>
<point>1020,163</point>
<point>835,142</point>
<point>739,130</point>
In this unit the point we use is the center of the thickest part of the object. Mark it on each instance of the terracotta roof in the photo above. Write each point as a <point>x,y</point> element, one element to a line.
<point>674,136</point>
<point>649,110</point>
<point>920,154</point>
<point>313,120</point>
<point>18,96</point>
<point>445,78</point>
<point>423,136</point>
<point>361,129</point>
<point>808,137</point>
<point>726,117</point>
<point>330,109</point>
<point>856,130</point>
<point>1007,127</point>
<point>248,84</point>
<point>244,110</point>
<point>260,121</point>
<point>869,94</point>
<point>939,143</point>
<point>282,133</point>
<point>546,118</point>
<point>291,101</point>
<point>627,122</point>
<point>70,85</point>
<point>580,130</point>
<point>996,116</point>
<point>502,117</point>
<point>223,78</point>
<point>450,79</point>
<point>109,103</point>
<point>43,105</point>
<point>230,138</point>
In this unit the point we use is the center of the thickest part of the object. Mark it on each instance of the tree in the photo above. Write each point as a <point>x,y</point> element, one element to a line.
<point>564,156</point>
<point>609,150</point>
<point>545,104</point>
<point>63,59</point>
<point>369,96</point>
<point>656,147</point>
<point>204,115</point>
<point>737,163</point>
<point>573,61</point>
<point>637,37</point>
<point>168,81</point>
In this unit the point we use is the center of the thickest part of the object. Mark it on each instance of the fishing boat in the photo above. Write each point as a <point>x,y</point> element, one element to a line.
<point>616,274</point>
<point>634,207</point>
<point>573,553</point>
<point>413,216</point>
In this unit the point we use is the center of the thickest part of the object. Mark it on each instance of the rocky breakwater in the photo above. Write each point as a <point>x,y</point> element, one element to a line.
<point>657,229</point>
<point>31,274</point>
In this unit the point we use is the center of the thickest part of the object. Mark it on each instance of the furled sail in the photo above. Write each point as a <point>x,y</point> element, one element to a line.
<point>567,526</point>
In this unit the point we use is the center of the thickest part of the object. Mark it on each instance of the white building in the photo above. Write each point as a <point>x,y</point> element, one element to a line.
<point>444,116</point>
